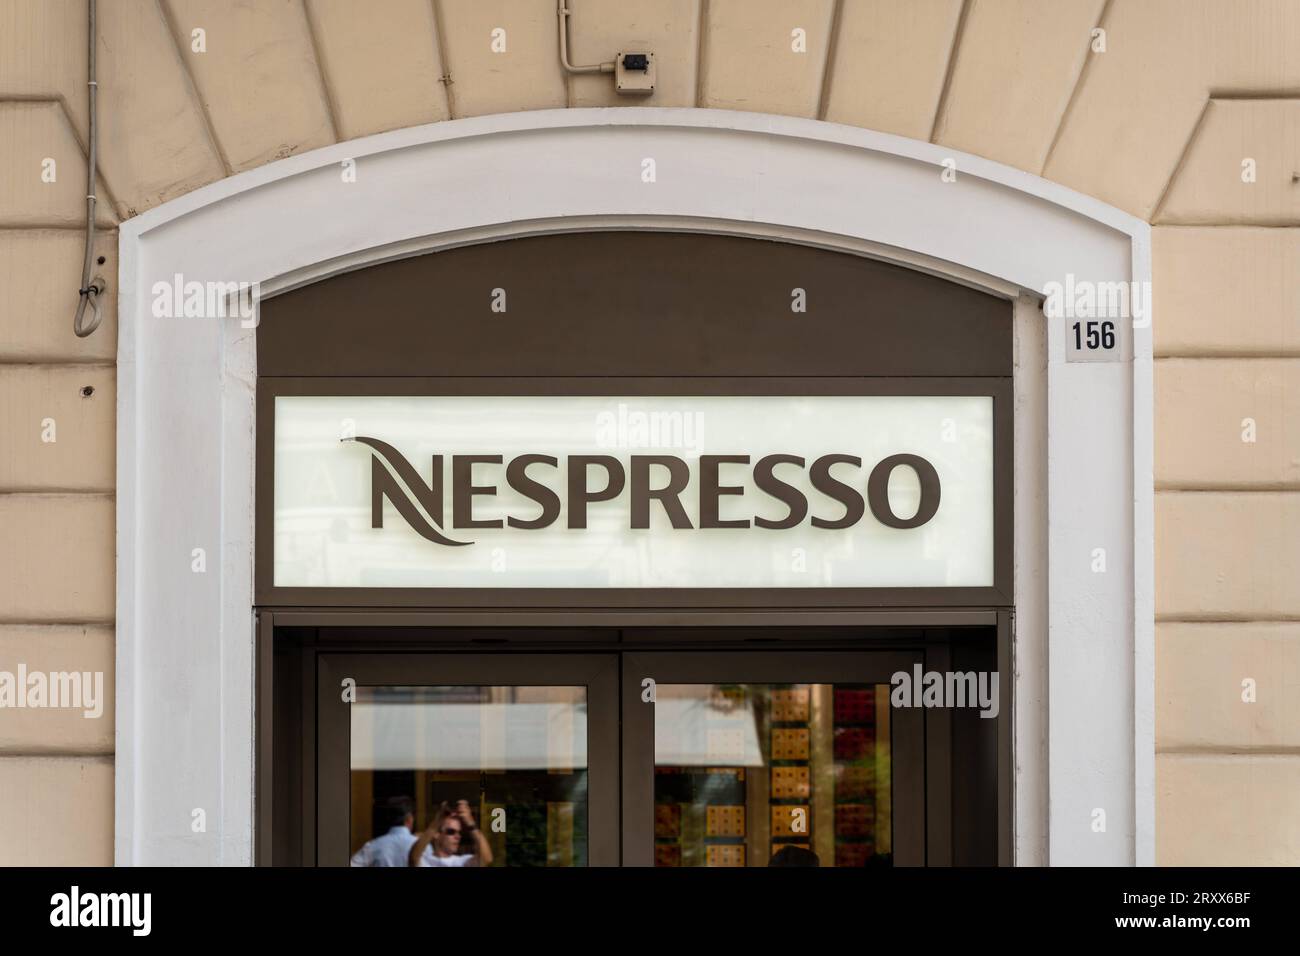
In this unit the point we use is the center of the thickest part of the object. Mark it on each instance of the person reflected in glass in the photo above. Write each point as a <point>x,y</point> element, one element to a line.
<point>393,847</point>
<point>443,843</point>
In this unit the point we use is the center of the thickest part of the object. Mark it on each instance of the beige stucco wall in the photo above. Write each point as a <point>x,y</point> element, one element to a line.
<point>1158,124</point>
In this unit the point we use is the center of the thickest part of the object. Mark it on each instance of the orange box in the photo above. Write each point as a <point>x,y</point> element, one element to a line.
<point>790,782</point>
<point>790,704</point>
<point>730,854</point>
<point>785,819</point>
<point>790,744</point>
<point>725,821</point>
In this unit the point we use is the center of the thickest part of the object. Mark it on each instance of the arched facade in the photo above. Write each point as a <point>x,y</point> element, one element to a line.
<point>1083,643</point>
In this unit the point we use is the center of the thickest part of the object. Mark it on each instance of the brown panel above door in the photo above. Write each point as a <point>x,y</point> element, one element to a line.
<point>636,304</point>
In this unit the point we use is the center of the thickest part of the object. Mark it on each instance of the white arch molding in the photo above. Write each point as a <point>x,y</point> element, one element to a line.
<point>1084,694</point>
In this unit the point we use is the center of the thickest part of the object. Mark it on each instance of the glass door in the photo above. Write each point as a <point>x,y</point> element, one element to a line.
<point>782,758</point>
<point>726,758</point>
<point>468,760</point>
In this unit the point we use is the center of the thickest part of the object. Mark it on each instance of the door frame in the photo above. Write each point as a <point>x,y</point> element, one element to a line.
<point>484,633</point>
<point>597,671</point>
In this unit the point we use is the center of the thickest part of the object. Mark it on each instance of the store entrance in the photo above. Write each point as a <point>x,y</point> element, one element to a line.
<point>670,748</point>
<point>633,582</point>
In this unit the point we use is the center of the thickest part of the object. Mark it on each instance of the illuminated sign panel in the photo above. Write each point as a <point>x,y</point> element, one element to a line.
<point>845,491</point>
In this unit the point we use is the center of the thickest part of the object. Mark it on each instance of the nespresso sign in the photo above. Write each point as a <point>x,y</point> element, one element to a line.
<point>662,491</point>
<point>395,480</point>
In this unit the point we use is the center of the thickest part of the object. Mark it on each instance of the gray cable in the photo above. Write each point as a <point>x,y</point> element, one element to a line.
<point>90,289</point>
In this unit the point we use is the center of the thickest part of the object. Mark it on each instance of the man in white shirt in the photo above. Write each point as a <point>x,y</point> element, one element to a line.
<point>440,844</point>
<point>394,847</point>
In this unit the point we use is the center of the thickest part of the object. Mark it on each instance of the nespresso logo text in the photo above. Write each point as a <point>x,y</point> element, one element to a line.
<point>405,488</point>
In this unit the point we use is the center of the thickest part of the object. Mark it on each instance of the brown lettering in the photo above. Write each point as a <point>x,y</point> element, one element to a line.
<point>579,496</point>
<point>463,491</point>
<point>517,478</point>
<point>678,477</point>
<point>849,497</point>
<point>878,491</point>
<point>711,491</point>
<point>766,480</point>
